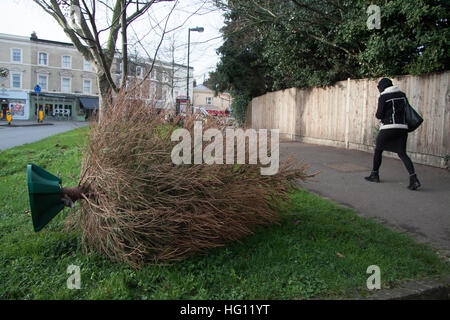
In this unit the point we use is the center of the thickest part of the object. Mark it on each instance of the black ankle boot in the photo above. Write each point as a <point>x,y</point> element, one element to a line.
<point>374,177</point>
<point>414,183</point>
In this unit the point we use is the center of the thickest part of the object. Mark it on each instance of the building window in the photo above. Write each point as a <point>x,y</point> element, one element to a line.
<point>86,86</point>
<point>209,100</point>
<point>153,74</point>
<point>66,62</point>
<point>165,77</point>
<point>16,55</point>
<point>16,80</point>
<point>139,71</point>
<point>43,59</point>
<point>66,84</point>
<point>43,81</point>
<point>118,81</point>
<point>86,65</point>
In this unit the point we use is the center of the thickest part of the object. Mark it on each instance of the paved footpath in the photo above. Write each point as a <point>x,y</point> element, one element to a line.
<point>27,131</point>
<point>424,213</point>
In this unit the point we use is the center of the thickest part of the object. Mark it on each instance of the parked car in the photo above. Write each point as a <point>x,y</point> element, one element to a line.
<point>201,111</point>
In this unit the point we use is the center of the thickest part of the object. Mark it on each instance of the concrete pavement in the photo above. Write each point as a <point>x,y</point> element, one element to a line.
<point>27,131</point>
<point>424,213</point>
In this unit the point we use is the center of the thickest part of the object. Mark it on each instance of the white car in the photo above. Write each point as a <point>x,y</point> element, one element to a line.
<point>202,111</point>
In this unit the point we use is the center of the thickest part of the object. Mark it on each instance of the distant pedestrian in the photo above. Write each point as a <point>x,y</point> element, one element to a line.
<point>393,132</point>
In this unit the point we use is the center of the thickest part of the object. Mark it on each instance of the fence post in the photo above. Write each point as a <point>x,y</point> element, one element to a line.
<point>364,115</point>
<point>347,114</point>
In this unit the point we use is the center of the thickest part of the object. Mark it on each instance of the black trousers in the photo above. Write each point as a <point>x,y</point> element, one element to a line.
<point>393,140</point>
<point>403,156</point>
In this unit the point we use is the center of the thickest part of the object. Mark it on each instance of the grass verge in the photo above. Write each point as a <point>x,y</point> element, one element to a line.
<point>320,250</point>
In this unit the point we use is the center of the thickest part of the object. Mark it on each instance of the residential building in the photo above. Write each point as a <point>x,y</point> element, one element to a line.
<point>68,83</point>
<point>57,67</point>
<point>206,98</point>
<point>160,82</point>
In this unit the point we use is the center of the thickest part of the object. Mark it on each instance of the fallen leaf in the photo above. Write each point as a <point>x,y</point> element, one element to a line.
<point>340,255</point>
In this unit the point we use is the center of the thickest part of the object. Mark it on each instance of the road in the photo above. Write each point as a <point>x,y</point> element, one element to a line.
<point>424,213</point>
<point>25,133</point>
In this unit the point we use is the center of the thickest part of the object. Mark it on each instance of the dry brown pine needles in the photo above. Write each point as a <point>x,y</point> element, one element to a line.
<point>141,208</point>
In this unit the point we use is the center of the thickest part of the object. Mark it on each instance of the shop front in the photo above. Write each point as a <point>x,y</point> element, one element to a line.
<point>56,107</point>
<point>90,107</point>
<point>15,101</point>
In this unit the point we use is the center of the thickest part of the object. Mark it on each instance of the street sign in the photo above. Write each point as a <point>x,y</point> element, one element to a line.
<point>37,88</point>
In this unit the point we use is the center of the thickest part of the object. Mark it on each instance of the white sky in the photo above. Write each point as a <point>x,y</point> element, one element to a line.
<point>21,17</point>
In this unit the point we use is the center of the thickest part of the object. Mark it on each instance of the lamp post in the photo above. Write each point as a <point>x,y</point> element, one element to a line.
<point>197,29</point>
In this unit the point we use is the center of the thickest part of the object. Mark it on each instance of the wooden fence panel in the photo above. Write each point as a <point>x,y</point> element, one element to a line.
<point>344,114</point>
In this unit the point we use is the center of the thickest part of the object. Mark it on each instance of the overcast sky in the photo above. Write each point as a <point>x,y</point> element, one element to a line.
<point>21,17</point>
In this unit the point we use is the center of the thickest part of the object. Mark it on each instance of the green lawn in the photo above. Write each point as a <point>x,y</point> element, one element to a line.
<point>295,260</point>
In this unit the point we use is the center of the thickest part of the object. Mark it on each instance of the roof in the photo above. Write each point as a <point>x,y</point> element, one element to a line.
<point>52,42</point>
<point>202,87</point>
<point>205,88</point>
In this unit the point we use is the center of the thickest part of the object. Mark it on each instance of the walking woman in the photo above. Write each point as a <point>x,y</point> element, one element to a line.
<point>393,131</point>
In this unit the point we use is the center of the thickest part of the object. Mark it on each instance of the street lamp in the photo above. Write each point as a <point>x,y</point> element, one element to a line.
<point>197,29</point>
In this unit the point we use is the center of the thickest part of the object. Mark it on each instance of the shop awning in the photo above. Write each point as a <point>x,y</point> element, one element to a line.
<point>89,103</point>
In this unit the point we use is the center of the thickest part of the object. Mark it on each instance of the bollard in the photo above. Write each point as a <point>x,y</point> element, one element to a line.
<point>9,116</point>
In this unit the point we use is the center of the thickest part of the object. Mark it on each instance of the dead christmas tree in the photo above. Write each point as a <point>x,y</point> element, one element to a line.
<point>142,208</point>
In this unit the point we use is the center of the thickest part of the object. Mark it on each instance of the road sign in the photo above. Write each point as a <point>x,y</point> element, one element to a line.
<point>37,88</point>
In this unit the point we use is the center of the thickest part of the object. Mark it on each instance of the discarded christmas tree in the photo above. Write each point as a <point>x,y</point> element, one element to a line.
<point>139,207</point>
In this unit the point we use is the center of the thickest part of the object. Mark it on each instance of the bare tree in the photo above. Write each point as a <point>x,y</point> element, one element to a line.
<point>79,20</point>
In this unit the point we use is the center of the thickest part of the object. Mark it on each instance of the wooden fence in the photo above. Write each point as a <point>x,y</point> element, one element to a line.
<point>343,115</point>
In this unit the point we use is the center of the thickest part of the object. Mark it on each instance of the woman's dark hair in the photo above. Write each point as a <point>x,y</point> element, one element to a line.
<point>384,83</point>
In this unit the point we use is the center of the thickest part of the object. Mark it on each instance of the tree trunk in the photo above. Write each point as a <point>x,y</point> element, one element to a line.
<point>104,95</point>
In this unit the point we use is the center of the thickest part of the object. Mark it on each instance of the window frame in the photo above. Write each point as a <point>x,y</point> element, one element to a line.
<point>70,84</point>
<point>165,77</point>
<point>210,99</point>
<point>86,63</point>
<point>90,86</point>
<point>141,73</point>
<point>39,60</point>
<point>12,55</point>
<point>62,61</point>
<point>12,80</point>
<point>153,76</point>
<point>46,77</point>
